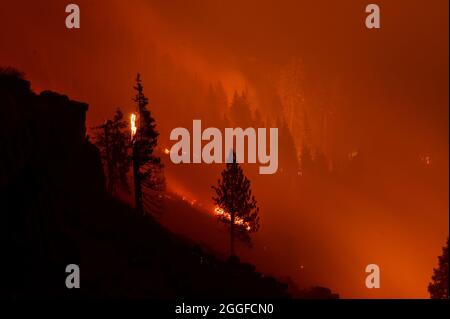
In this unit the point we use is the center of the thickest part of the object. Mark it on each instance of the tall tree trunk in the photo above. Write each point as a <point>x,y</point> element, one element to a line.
<point>108,158</point>
<point>137,179</point>
<point>232,253</point>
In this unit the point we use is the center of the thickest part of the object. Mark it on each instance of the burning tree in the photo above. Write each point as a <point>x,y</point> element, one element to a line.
<point>147,167</point>
<point>438,288</point>
<point>236,204</point>
<point>113,141</point>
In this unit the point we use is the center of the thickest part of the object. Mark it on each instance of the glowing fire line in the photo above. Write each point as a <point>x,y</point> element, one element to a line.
<point>227,216</point>
<point>220,213</point>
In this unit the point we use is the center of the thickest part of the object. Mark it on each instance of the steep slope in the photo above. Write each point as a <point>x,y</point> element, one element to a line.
<point>56,212</point>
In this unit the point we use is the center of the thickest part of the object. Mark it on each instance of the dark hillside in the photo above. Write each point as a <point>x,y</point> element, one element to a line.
<point>55,212</point>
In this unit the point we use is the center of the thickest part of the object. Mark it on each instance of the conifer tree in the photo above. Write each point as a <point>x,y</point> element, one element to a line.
<point>234,197</point>
<point>240,111</point>
<point>147,167</point>
<point>113,141</point>
<point>438,288</point>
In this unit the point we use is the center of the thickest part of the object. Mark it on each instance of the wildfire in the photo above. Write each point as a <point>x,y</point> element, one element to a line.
<point>426,159</point>
<point>237,220</point>
<point>133,125</point>
<point>221,213</point>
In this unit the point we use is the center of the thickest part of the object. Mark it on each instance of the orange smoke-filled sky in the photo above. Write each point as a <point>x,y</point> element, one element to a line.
<point>387,89</point>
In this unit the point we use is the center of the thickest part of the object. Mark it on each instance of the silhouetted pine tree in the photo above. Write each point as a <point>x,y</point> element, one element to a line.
<point>216,104</point>
<point>306,160</point>
<point>438,288</point>
<point>288,153</point>
<point>235,197</point>
<point>113,141</point>
<point>147,166</point>
<point>240,111</point>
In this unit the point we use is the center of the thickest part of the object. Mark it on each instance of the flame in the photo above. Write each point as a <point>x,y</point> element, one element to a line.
<point>133,125</point>
<point>221,213</point>
<point>166,151</point>
<point>353,154</point>
<point>237,220</point>
<point>426,159</point>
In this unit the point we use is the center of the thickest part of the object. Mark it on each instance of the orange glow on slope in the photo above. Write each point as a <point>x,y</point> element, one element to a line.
<point>219,212</point>
<point>399,219</point>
